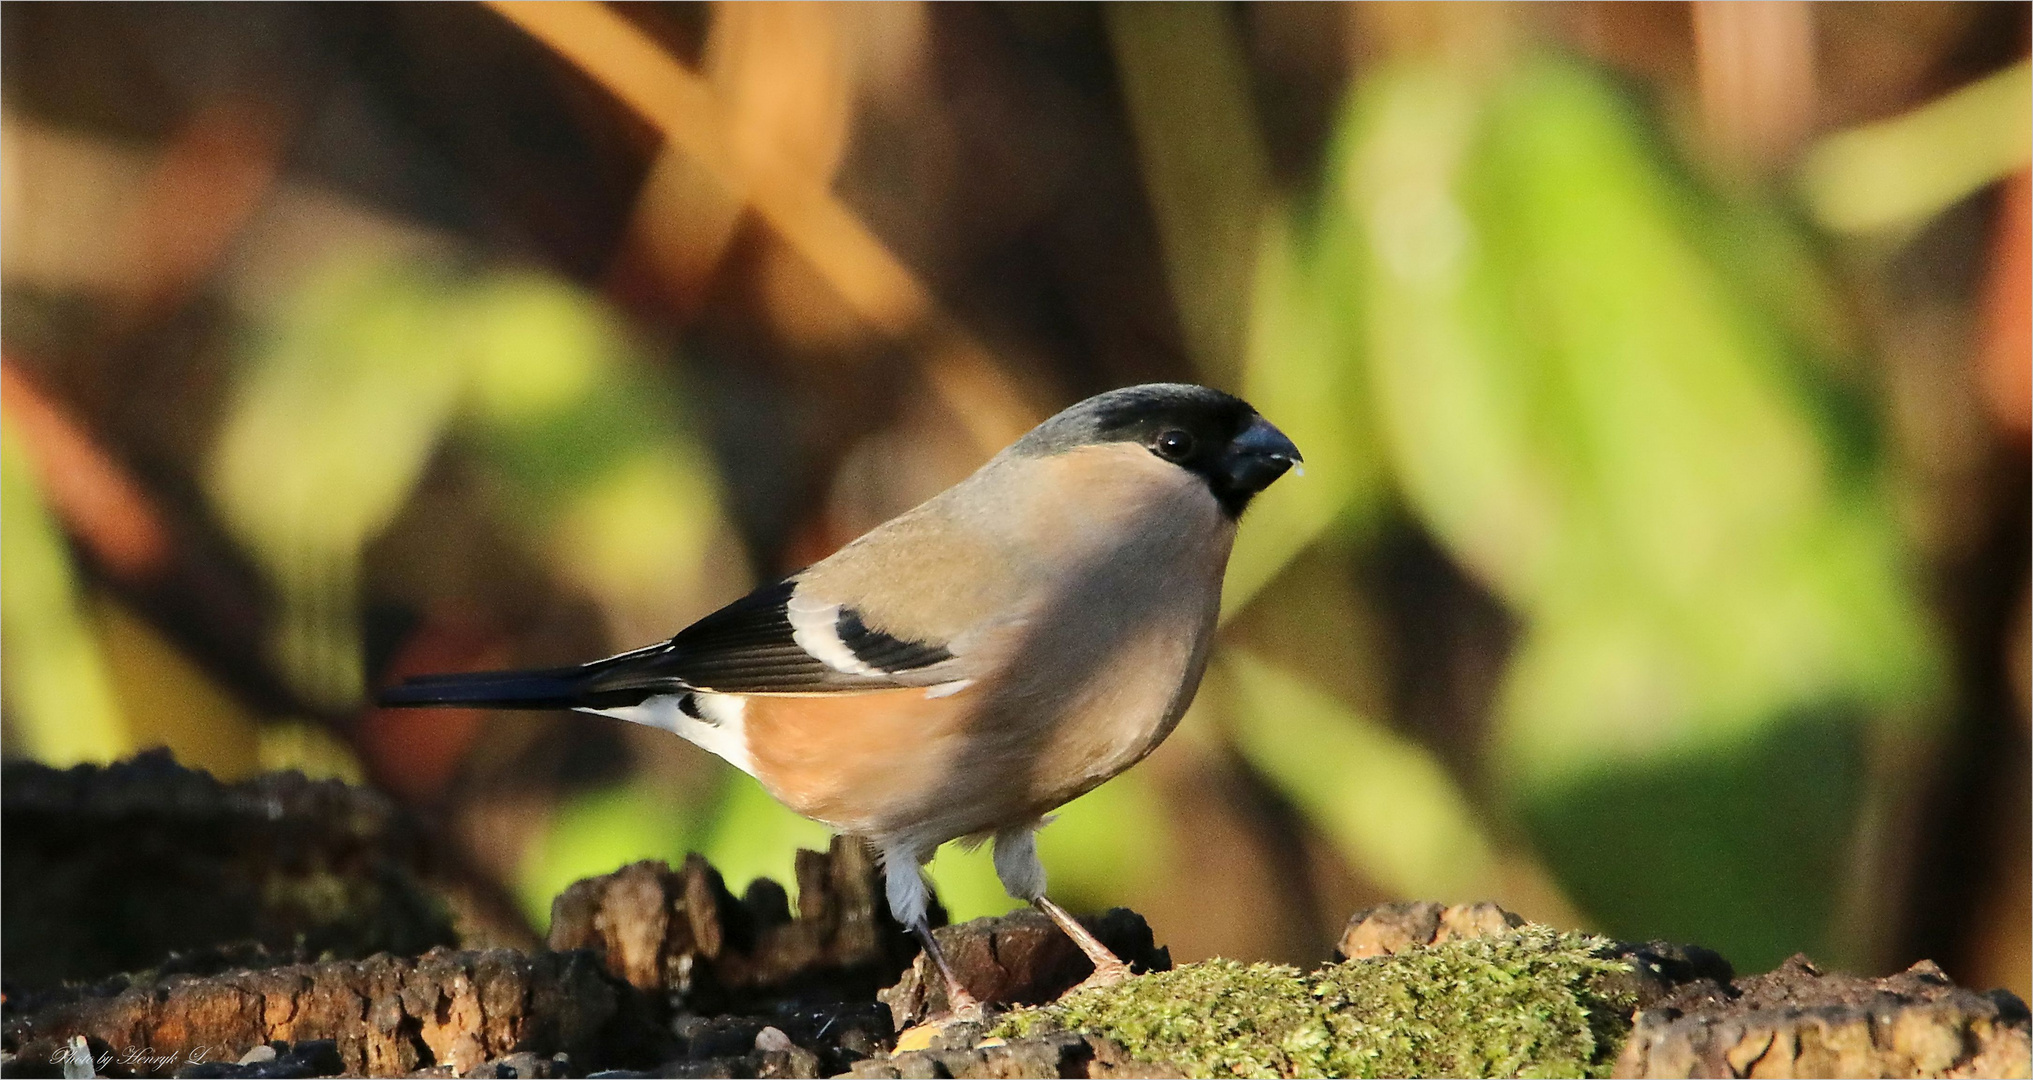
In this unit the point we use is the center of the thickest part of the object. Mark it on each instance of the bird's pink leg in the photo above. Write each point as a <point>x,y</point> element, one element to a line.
<point>963,1004</point>
<point>1109,968</point>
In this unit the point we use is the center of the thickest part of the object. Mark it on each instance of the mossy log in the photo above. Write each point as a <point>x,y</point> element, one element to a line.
<point>655,971</point>
<point>1532,1001</point>
<point>1472,991</point>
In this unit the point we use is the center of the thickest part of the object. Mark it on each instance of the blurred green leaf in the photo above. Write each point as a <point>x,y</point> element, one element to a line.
<point>596,458</point>
<point>1303,373</point>
<point>1898,173</point>
<point>1744,844</point>
<point>331,423</point>
<point>967,885</point>
<point>1582,401</point>
<point>1185,83</point>
<point>597,832</point>
<point>1453,400</point>
<point>539,347</point>
<point>166,700</point>
<point>347,397</point>
<point>1381,798</point>
<point>337,412</point>
<point>61,704</point>
<point>1105,846</point>
<point>749,835</point>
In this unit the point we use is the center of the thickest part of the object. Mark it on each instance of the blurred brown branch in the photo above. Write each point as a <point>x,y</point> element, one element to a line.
<point>1756,65</point>
<point>683,106</point>
<point>797,205</point>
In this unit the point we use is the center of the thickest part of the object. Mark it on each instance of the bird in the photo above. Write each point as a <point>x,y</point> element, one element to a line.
<point>967,667</point>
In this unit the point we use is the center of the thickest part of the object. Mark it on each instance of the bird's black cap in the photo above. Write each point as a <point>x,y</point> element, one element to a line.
<point>1217,436</point>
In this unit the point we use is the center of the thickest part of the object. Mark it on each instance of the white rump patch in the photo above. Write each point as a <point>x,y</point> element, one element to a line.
<point>816,629</point>
<point>721,732</point>
<point>947,689</point>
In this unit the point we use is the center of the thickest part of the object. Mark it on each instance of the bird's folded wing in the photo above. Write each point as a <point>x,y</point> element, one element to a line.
<point>775,641</point>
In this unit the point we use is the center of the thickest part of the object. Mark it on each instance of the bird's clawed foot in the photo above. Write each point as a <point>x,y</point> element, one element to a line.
<point>962,1007</point>
<point>1105,974</point>
<point>965,1008</point>
<point>959,1026</point>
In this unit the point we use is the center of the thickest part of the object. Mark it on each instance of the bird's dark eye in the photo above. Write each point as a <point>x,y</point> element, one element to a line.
<point>1175,445</point>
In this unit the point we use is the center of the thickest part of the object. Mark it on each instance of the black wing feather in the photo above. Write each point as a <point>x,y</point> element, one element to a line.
<point>745,647</point>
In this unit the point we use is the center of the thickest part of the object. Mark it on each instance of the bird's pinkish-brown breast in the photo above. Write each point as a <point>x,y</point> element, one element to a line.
<point>854,761</point>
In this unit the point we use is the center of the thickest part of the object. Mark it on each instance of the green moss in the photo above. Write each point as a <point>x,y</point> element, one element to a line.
<point>1532,1002</point>
<point>1528,1003</point>
<point>1218,1018</point>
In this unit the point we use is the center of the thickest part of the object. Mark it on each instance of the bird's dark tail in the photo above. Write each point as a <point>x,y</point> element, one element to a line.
<point>558,688</point>
<point>603,684</point>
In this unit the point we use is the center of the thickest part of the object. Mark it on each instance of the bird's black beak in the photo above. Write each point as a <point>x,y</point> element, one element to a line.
<point>1257,457</point>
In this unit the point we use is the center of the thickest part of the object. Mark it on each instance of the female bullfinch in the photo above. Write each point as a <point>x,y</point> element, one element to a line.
<point>972,664</point>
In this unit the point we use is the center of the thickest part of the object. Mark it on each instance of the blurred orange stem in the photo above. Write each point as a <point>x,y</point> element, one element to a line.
<point>681,105</point>
<point>2008,311</point>
<point>801,209</point>
<point>90,493</point>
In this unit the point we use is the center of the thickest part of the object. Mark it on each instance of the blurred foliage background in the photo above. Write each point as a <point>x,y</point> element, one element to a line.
<point>1662,370</point>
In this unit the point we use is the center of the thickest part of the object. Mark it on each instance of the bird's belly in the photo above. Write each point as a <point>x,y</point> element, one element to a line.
<point>857,762</point>
<point>1115,722</point>
<point>899,763</point>
<point>1037,742</point>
